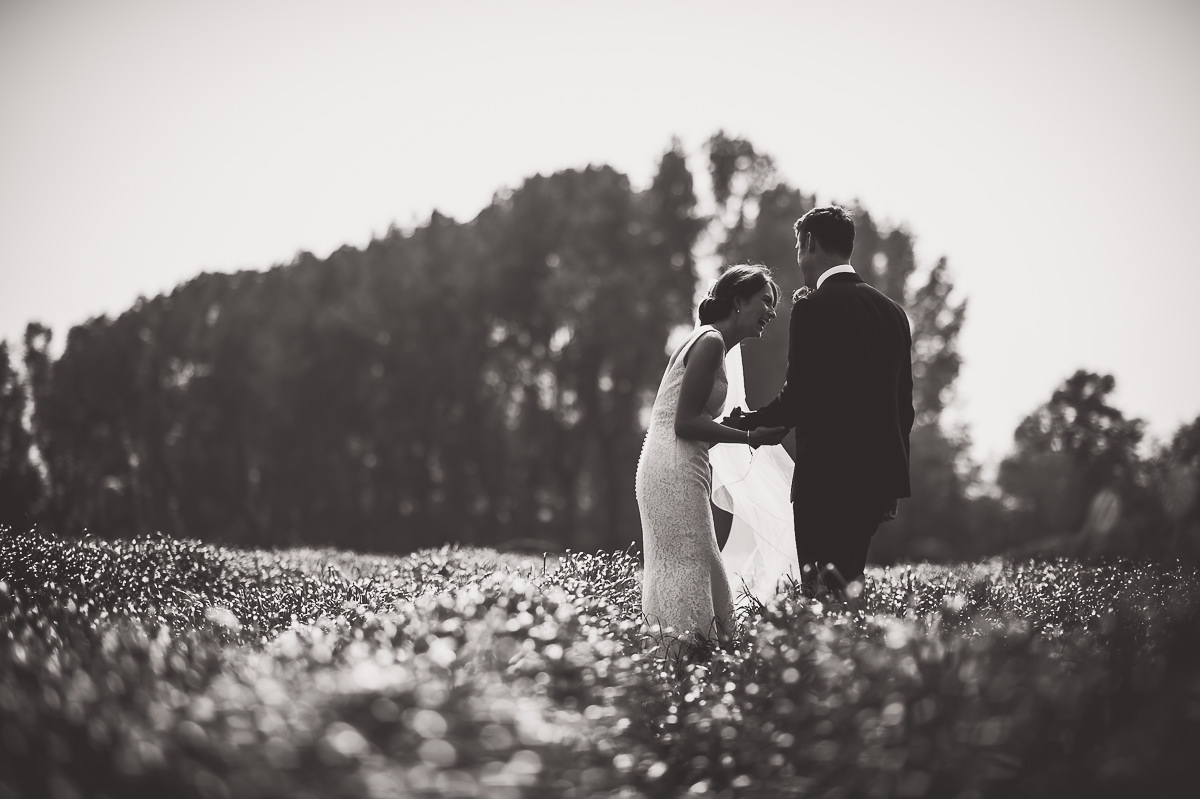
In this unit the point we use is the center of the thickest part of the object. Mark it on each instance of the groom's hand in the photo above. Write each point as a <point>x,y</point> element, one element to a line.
<point>737,420</point>
<point>889,510</point>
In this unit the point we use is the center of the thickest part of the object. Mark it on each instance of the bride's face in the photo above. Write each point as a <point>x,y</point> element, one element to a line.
<point>757,312</point>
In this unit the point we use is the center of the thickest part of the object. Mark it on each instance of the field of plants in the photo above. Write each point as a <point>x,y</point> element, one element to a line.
<point>169,668</point>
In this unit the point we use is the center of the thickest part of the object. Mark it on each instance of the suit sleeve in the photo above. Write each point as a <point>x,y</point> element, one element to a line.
<point>904,398</point>
<point>795,399</point>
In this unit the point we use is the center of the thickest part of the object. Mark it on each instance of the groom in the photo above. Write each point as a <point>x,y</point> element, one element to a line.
<point>848,395</point>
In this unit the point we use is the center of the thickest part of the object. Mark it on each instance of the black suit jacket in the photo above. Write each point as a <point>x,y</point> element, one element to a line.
<point>848,393</point>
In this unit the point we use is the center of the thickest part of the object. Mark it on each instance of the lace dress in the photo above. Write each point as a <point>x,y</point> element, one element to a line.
<point>684,585</point>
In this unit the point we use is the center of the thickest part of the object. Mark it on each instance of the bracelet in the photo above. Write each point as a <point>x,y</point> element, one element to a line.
<point>747,438</point>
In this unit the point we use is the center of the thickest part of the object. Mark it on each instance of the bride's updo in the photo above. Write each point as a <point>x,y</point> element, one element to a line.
<point>740,281</point>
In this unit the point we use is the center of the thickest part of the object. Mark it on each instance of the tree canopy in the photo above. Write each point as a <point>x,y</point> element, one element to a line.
<point>488,382</point>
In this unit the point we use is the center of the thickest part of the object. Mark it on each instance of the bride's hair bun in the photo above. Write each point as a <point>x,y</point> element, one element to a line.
<point>739,280</point>
<point>714,309</point>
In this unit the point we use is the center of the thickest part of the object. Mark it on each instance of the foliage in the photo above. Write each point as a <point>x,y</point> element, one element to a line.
<point>157,666</point>
<point>458,381</point>
<point>1075,454</point>
<point>488,381</point>
<point>1174,476</point>
<point>20,484</point>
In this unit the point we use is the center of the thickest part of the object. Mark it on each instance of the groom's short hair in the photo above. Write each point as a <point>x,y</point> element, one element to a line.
<point>832,227</point>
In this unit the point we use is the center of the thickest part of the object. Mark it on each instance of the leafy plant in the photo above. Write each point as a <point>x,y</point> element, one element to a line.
<point>157,666</point>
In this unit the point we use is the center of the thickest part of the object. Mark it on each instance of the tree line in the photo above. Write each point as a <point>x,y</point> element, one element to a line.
<point>488,383</point>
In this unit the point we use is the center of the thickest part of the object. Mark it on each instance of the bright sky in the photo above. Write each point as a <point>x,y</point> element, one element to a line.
<point>1047,147</point>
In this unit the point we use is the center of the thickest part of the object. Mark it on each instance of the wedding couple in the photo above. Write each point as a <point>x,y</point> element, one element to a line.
<point>848,395</point>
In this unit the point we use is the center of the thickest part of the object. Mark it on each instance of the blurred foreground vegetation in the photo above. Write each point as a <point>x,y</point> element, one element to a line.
<point>166,667</point>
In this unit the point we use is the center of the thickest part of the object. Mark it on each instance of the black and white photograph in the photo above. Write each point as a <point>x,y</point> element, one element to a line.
<point>559,400</point>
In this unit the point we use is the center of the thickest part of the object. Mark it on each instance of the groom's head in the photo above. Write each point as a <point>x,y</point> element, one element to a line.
<point>824,238</point>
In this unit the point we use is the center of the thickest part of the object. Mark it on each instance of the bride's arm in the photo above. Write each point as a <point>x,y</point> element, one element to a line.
<point>691,420</point>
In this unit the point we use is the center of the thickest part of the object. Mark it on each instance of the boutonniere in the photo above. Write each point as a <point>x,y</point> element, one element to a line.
<point>802,293</point>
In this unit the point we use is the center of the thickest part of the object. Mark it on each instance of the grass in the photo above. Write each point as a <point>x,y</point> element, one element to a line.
<point>163,667</point>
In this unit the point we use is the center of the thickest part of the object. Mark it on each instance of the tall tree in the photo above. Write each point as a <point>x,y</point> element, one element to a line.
<point>482,381</point>
<point>1176,471</point>
<point>1069,451</point>
<point>595,279</point>
<point>20,484</point>
<point>479,382</point>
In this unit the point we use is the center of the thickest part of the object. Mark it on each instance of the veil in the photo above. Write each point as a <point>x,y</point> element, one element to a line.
<point>755,486</point>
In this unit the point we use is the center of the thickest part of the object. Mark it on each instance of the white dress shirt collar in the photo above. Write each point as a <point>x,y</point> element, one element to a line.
<point>840,269</point>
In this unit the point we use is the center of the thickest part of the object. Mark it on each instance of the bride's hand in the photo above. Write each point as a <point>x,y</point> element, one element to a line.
<point>767,436</point>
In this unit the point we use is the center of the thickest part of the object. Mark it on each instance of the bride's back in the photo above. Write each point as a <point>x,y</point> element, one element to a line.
<point>666,401</point>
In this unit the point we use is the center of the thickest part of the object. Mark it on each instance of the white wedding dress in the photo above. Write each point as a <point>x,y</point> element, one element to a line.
<point>684,585</point>
<point>689,584</point>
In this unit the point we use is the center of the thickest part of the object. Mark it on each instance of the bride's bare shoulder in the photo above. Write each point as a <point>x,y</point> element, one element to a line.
<point>709,348</point>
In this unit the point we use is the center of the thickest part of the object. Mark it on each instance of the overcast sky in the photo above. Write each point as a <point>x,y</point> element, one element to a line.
<point>1047,148</point>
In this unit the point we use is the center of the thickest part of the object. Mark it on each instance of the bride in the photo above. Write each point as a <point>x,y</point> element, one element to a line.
<point>685,585</point>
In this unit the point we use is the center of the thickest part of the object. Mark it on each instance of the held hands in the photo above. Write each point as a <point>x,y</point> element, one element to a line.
<point>768,436</point>
<point>738,420</point>
<point>758,436</point>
